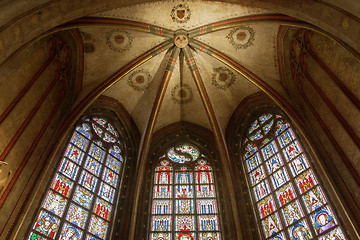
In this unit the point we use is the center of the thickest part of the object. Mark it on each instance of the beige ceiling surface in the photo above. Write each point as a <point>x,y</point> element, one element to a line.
<point>110,48</point>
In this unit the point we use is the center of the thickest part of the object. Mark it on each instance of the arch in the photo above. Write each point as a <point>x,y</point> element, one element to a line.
<point>288,189</point>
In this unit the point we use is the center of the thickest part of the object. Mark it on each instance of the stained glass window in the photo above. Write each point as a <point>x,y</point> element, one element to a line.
<point>80,200</point>
<point>289,199</point>
<point>184,204</point>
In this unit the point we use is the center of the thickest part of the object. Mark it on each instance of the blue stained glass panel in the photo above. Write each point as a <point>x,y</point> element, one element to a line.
<point>184,223</point>
<point>261,190</point>
<point>97,153</point>
<point>250,150</point>
<point>208,223</point>
<point>55,203</point>
<point>286,137</point>
<point>184,191</point>
<point>257,175</point>
<point>292,151</point>
<point>206,206</point>
<point>92,166</point>
<point>62,185</point>
<point>300,230</point>
<point>183,177</point>
<point>281,126</point>
<point>77,215</point>
<point>68,168</point>
<point>184,206</point>
<point>115,151</point>
<point>88,180</point>
<point>82,197</point>
<point>266,128</point>
<point>102,208</point>
<point>274,163</point>
<point>254,126</point>
<point>205,191</point>
<point>256,136</point>
<point>323,219</point>
<point>70,232</point>
<point>279,178</point>
<point>106,192</point>
<point>314,199</point>
<point>74,154</point>
<point>46,224</point>
<point>264,118</point>
<point>161,223</point>
<point>110,177</point>
<point>80,141</point>
<point>113,163</point>
<point>84,130</point>
<point>98,227</point>
<point>299,165</point>
<point>269,150</point>
<point>253,162</point>
<point>162,207</point>
<point>162,191</point>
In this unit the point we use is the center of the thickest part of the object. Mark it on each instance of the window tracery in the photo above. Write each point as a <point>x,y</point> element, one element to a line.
<point>80,200</point>
<point>289,199</point>
<point>184,204</point>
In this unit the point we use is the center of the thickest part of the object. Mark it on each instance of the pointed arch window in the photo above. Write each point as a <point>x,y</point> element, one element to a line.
<point>290,202</point>
<point>81,198</point>
<point>184,203</point>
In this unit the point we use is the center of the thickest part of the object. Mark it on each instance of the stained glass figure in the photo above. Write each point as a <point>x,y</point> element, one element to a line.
<point>285,210</point>
<point>70,232</point>
<point>191,211</point>
<point>300,230</point>
<point>323,219</point>
<point>80,197</point>
<point>46,224</point>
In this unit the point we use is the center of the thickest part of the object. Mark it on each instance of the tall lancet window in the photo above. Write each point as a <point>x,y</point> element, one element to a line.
<point>184,204</point>
<point>290,202</point>
<point>81,198</point>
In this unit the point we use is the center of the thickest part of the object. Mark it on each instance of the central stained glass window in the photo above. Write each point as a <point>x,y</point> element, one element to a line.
<point>184,204</point>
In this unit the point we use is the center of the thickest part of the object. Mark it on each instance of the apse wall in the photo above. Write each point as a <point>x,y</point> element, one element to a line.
<point>321,74</point>
<point>37,86</point>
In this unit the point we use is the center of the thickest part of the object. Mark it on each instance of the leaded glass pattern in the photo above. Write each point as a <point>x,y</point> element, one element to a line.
<point>80,200</point>
<point>184,204</point>
<point>290,201</point>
